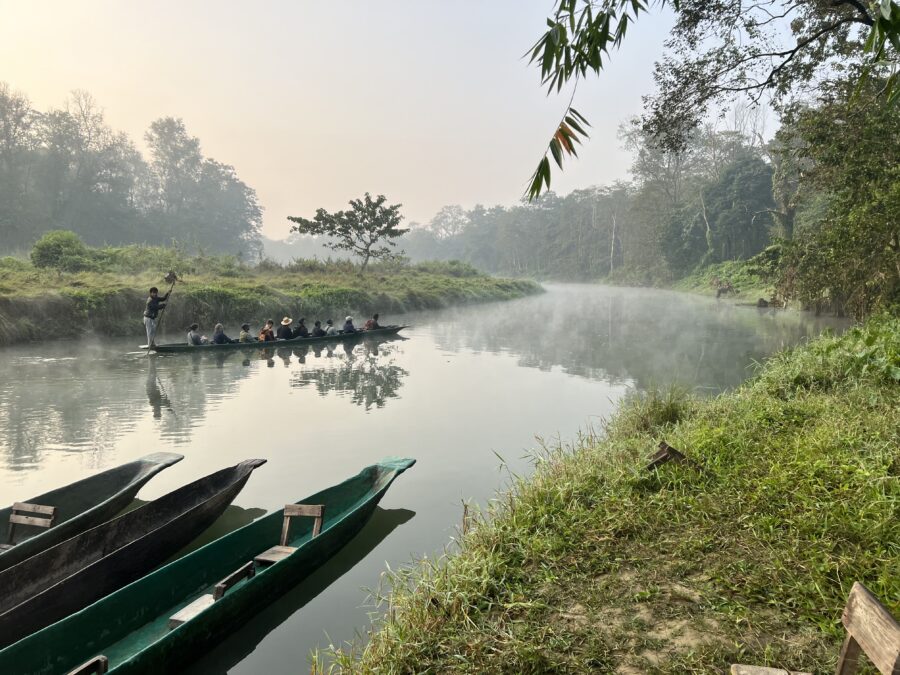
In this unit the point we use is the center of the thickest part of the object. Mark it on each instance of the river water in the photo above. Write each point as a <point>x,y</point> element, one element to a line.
<point>465,388</point>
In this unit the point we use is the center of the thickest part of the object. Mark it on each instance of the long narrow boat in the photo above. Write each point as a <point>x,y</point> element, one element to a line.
<point>340,337</point>
<point>75,507</point>
<point>170,617</point>
<point>73,574</point>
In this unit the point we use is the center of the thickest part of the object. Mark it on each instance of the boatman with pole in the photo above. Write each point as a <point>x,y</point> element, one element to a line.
<point>155,306</point>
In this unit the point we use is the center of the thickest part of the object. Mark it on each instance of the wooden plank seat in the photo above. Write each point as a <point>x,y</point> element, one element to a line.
<point>96,666</point>
<point>17,517</point>
<point>189,612</point>
<point>871,630</point>
<point>282,551</point>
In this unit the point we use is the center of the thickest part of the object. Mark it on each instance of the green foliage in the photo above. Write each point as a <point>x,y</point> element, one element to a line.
<point>593,563</point>
<point>62,250</point>
<point>716,52</point>
<point>360,230</point>
<point>850,258</point>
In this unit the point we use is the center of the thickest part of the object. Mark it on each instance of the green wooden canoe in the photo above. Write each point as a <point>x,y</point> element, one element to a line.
<point>80,506</point>
<point>130,627</point>
<point>171,347</point>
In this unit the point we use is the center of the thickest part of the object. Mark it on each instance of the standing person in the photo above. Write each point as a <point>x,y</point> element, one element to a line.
<point>372,324</point>
<point>284,330</point>
<point>348,325</point>
<point>301,330</point>
<point>317,330</point>
<point>151,314</point>
<point>194,337</point>
<point>245,333</point>
<point>329,328</point>
<point>266,334</point>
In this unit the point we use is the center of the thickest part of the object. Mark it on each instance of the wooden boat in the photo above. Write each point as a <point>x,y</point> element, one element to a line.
<point>340,337</point>
<point>71,575</point>
<point>161,622</point>
<point>74,508</point>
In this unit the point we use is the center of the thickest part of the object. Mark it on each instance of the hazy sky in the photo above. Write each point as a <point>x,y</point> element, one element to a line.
<point>315,103</point>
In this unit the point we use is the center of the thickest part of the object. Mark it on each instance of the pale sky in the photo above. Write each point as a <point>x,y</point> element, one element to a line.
<point>428,102</point>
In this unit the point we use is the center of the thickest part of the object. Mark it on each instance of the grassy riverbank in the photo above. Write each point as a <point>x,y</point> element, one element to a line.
<point>596,564</point>
<point>109,298</point>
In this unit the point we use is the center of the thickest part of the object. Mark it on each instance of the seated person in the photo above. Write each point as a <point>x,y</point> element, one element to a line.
<point>284,330</point>
<point>194,337</point>
<point>301,331</point>
<point>348,325</point>
<point>372,324</point>
<point>245,333</point>
<point>266,334</point>
<point>317,330</point>
<point>219,336</point>
<point>329,328</point>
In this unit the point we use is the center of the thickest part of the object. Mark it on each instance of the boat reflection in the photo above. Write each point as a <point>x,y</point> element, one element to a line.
<point>244,641</point>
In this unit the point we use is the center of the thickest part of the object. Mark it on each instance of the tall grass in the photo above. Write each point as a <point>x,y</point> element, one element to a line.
<point>596,564</point>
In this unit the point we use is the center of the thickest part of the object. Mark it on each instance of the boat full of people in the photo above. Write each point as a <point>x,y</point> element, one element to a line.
<point>288,333</point>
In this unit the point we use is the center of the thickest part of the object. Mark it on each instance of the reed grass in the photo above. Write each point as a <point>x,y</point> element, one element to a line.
<point>594,564</point>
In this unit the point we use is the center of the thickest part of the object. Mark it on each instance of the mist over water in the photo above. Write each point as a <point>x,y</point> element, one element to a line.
<point>462,385</point>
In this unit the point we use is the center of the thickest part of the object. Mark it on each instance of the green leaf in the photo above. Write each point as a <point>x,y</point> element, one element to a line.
<point>556,152</point>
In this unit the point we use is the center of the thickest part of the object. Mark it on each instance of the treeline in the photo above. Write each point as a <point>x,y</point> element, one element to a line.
<point>817,206</point>
<point>67,169</point>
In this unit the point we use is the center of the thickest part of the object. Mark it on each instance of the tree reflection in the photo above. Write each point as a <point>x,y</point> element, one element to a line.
<point>365,373</point>
<point>648,338</point>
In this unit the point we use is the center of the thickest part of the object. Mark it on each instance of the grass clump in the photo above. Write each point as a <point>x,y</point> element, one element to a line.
<point>595,564</point>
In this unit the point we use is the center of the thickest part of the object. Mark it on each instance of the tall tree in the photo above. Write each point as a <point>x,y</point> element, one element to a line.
<point>368,229</point>
<point>716,50</point>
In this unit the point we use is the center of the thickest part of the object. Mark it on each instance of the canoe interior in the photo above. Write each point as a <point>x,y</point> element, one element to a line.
<point>184,347</point>
<point>69,576</point>
<point>135,618</point>
<point>81,505</point>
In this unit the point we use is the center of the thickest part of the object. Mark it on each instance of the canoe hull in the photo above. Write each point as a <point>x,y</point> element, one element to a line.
<point>121,484</point>
<point>51,586</point>
<point>130,626</point>
<point>295,342</point>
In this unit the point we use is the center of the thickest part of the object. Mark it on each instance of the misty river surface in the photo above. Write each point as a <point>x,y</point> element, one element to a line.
<point>463,385</point>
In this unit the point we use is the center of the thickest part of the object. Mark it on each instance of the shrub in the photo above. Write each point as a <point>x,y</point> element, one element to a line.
<point>62,250</point>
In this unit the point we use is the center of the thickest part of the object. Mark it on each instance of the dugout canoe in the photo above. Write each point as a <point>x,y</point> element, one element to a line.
<point>71,575</point>
<point>130,628</point>
<point>77,507</point>
<point>171,347</point>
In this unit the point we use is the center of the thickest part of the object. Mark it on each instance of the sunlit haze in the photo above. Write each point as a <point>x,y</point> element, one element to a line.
<point>430,103</point>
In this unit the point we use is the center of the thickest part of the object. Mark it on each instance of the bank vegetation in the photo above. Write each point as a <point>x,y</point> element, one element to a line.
<point>68,289</point>
<point>746,553</point>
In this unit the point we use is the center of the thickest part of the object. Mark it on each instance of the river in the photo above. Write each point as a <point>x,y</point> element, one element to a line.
<point>465,388</point>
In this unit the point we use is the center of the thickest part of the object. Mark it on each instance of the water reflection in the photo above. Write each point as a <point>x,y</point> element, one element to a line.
<point>244,641</point>
<point>636,336</point>
<point>367,375</point>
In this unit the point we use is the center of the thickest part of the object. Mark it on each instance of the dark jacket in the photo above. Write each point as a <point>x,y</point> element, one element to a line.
<point>154,305</point>
<point>349,327</point>
<point>284,333</point>
<point>318,332</point>
<point>221,339</point>
<point>301,331</point>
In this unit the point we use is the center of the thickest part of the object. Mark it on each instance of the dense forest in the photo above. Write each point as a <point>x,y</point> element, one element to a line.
<point>67,169</point>
<point>815,207</point>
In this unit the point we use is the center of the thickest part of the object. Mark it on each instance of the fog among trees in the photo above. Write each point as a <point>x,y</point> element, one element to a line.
<point>67,169</point>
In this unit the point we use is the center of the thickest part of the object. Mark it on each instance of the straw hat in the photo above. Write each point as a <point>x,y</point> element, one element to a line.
<point>349,318</point>
<point>287,321</point>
